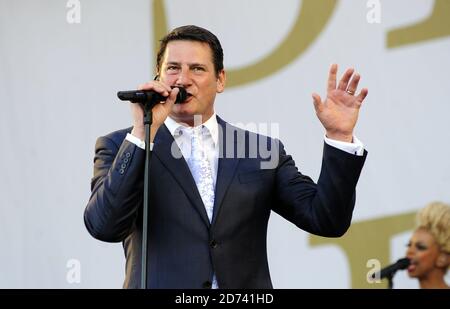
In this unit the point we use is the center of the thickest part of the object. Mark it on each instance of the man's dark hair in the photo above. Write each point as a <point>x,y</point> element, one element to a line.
<point>193,33</point>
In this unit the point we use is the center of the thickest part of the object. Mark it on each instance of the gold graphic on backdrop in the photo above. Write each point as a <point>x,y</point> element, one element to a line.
<point>160,27</point>
<point>367,240</point>
<point>437,25</point>
<point>311,20</point>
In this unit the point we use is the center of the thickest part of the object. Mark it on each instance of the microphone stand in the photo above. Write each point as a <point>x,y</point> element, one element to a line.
<point>148,155</point>
<point>390,271</point>
<point>390,282</point>
<point>148,99</point>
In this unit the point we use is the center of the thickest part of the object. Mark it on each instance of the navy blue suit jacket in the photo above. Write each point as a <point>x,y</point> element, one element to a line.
<point>184,248</point>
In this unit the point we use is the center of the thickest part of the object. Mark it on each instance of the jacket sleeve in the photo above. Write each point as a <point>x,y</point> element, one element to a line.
<point>325,208</point>
<point>116,189</point>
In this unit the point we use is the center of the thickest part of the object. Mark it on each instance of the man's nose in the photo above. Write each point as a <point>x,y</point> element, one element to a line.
<point>184,78</point>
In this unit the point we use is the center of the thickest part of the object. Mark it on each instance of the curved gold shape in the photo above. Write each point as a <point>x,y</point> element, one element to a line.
<point>159,25</point>
<point>311,20</point>
<point>367,240</point>
<point>437,25</point>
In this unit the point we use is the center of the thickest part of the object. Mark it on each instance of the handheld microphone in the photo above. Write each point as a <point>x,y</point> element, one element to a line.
<point>150,96</point>
<point>390,270</point>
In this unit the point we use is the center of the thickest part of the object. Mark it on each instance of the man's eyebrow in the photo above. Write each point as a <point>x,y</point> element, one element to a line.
<point>195,64</point>
<point>189,64</point>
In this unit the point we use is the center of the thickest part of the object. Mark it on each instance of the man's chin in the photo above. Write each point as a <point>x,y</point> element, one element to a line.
<point>183,117</point>
<point>188,117</point>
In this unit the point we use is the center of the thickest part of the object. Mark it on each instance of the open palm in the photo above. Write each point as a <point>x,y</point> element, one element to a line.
<point>339,112</point>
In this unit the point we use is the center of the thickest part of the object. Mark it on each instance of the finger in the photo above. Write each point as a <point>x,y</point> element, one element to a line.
<point>317,102</point>
<point>156,86</point>
<point>362,95</point>
<point>354,83</point>
<point>168,88</point>
<point>332,77</point>
<point>147,86</point>
<point>343,84</point>
<point>161,87</point>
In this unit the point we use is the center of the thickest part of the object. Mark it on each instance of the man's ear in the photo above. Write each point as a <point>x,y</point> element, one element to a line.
<point>221,81</point>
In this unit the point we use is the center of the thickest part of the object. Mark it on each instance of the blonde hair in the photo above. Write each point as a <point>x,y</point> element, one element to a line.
<point>435,217</point>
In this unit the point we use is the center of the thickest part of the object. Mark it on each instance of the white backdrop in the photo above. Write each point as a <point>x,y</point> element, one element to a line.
<point>57,91</point>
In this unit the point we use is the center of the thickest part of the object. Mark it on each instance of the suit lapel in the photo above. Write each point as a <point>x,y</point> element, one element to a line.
<point>227,166</point>
<point>168,152</point>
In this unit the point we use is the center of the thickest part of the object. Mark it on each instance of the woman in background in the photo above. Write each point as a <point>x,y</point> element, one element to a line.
<point>429,247</point>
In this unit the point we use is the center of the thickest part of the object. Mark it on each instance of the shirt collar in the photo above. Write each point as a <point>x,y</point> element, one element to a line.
<point>211,124</point>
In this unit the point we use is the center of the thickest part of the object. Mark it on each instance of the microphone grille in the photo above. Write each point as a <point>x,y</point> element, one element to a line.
<point>403,263</point>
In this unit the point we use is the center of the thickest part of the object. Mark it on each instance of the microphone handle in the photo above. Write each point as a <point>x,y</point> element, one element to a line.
<point>391,269</point>
<point>149,96</point>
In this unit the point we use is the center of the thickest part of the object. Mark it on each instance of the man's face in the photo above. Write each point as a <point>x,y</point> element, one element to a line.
<point>189,64</point>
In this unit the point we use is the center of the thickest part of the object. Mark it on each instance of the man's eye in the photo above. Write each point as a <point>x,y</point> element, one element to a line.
<point>172,68</point>
<point>198,69</point>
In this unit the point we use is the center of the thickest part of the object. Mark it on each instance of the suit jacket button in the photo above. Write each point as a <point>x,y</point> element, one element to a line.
<point>207,285</point>
<point>213,244</point>
<point>123,166</point>
<point>121,171</point>
<point>128,155</point>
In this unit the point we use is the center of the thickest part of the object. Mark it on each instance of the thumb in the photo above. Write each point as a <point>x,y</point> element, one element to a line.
<point>173,96</point>
<point>317,102</point>
<point>171,99</point>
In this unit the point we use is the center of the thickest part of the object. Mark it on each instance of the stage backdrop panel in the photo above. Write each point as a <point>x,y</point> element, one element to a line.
<point>62,62</point>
